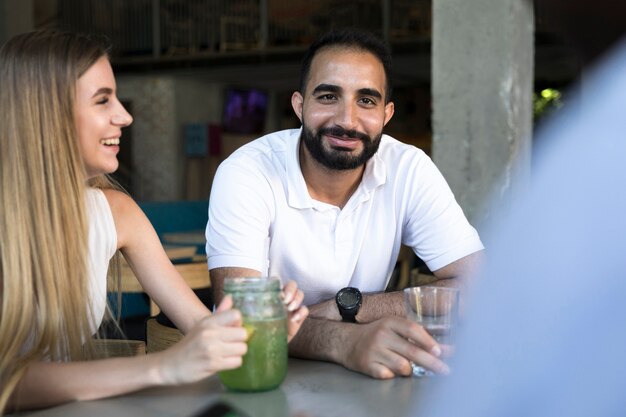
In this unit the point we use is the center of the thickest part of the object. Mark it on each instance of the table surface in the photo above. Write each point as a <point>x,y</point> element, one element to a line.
<point>311,389</point>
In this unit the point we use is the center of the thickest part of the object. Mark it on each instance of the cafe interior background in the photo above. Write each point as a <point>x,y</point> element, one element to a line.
<point>472,81</point>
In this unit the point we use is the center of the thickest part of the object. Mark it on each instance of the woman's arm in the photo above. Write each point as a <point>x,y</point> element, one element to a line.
<point>140,245</point>
<point>49,383</point>
<point>215,343</point>
<point>212,342</point>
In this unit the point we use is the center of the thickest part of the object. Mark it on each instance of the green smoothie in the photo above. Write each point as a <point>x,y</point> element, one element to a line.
<point>265,364</point>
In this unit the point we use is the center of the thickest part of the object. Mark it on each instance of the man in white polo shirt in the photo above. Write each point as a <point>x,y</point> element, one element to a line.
<point>329,205</point>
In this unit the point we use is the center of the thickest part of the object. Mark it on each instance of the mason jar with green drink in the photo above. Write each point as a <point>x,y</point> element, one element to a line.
<point>264,315</point>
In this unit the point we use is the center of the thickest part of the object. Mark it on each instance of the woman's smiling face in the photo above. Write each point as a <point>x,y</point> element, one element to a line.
<point>99,118</point>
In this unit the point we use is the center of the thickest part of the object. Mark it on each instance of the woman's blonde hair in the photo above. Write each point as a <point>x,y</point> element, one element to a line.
<point>45,298</point>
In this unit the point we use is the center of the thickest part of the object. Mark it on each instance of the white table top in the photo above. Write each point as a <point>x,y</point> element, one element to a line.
<point>311,389</point>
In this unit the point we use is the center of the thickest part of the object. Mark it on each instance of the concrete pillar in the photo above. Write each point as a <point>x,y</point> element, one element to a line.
<point>482,81</point>
<point>16,16</point>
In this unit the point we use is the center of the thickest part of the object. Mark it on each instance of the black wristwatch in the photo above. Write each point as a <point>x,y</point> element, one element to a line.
<point>349,301</point>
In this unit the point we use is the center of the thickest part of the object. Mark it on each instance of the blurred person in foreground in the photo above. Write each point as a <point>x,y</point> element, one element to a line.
<point>545,333</point>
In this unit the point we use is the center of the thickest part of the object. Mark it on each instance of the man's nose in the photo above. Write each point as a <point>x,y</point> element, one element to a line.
<point>346,116</point>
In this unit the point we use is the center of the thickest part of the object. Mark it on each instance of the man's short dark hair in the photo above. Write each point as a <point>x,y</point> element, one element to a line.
<point>349,38</point>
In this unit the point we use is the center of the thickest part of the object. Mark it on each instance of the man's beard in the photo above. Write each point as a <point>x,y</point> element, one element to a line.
<point>339,158</point>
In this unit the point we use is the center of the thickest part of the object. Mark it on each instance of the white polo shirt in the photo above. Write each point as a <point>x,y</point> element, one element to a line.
<point>262,217</point>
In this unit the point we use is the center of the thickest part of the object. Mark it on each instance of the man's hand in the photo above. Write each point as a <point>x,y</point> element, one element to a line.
<point>386,347</point>
<point>296,312</point>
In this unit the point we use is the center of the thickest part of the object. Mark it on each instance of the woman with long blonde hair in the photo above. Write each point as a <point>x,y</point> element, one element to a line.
<point>60,224</point>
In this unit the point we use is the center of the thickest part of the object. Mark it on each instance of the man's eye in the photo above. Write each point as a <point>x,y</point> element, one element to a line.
<point>366,100</point>
<point>326,97</point>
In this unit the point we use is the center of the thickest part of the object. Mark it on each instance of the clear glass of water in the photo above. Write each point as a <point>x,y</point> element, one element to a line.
<point>437,310</point>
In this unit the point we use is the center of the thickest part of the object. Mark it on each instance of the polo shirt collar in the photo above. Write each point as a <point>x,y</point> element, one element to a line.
<point>374,176</point>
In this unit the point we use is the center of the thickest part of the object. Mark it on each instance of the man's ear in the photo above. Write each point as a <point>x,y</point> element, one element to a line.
<point>389,109</point>
<point>296,103</point>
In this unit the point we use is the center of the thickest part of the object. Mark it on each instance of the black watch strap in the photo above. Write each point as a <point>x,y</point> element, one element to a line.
<point>348,301</point>
<point>348,316</point>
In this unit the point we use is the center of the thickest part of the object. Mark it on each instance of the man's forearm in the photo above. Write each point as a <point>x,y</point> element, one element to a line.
<point>218,275</point>
<point>378,305</point>
<point>373,307</point>
<point>321,339</point>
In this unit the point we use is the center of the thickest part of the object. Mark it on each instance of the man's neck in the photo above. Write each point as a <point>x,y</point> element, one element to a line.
<point>329,185</point>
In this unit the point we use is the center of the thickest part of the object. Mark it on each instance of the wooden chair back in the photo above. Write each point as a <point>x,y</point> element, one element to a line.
<point>111,348</point>
<point>159,337</point>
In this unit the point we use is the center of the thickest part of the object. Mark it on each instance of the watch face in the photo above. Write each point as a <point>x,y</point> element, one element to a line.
<point>348,298</point>
<point>348,302</point>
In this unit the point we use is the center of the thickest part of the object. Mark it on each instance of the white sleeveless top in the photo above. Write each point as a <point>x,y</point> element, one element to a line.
<point>102,246</point>
<point>102,243</point>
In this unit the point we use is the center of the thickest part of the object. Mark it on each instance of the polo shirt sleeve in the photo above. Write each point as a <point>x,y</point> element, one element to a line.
<point>239,217</point>
<point>435,227</point>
